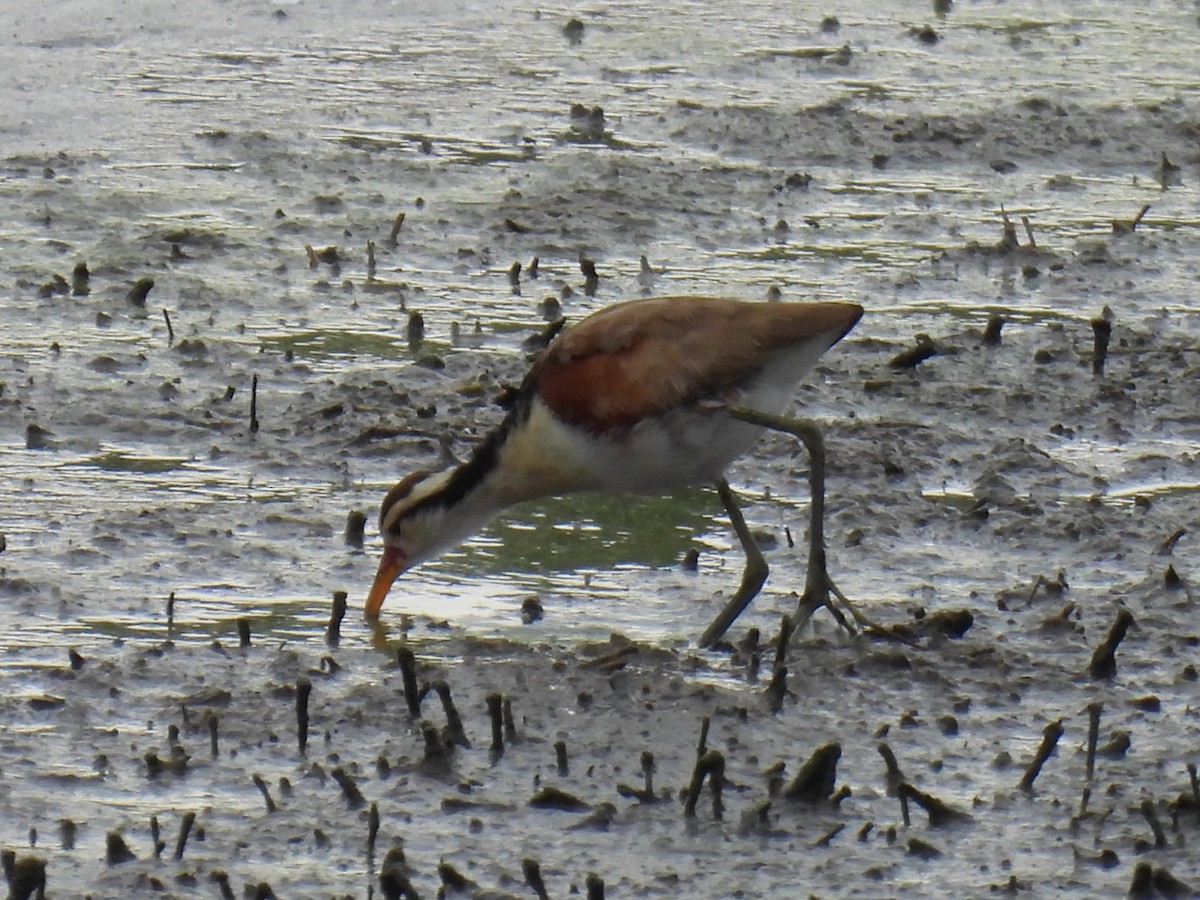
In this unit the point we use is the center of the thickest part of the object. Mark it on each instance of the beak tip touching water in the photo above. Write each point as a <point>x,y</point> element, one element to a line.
<point>389,568</point>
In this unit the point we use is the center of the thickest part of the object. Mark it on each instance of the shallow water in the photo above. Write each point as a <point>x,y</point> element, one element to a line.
<point>241,132</point>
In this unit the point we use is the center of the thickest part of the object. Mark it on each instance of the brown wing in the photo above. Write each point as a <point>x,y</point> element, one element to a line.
<point>640,359</point>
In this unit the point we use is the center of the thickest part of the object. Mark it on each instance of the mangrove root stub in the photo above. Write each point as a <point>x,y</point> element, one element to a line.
<point>116,851</point>
<point>333,631</point>
<point>893,778</point>
<point>991,334</point>
<point>532,871</point>
<point>595,886</point>
<point>185,829</point>
<point>26,876</point>
<point>1104,660</point>
<point>303,691</point>
<point>1094,711</point>
<point>254,404</point>
<point>140,290</point>
<point>350,791</point>
<point>940,813</point>
<point>710,765</point>
<point>356,523</point>
<point>1101,332</point>
<point>454,732</point>
<point>1050,736</point>
<point>408,674</point>
<point>495,705</point>
<point>1151,817</point>
<point>816,778</point>
<point>263,789</point>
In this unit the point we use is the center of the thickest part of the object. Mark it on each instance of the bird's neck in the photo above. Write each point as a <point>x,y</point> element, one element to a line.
<point>531,454</point>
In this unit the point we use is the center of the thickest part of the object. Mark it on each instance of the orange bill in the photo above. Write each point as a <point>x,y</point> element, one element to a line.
<point>389,567</point>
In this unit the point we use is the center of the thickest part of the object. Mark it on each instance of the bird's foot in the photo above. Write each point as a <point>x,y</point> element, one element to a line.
<point>822,592</point>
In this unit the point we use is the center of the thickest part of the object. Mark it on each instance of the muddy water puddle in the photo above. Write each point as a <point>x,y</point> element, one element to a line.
<point>740,148</point>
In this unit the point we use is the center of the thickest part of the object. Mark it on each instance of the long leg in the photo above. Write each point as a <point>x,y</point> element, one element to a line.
<point>752,578</point>
<point>819,589</point>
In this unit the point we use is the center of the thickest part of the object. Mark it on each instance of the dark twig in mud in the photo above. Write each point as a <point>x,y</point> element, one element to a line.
<point>214,743</point>
<point>495,706</point>
<point>394,234</point>
<point>333,631</point>
<point>254,404</point>
<point>26,876</point>
<point>243,627</point>
<point>710,765</point>
<point>356,523</point>
<point>1057,586</point>
<point>170,613</point>
<point>185,829</point>
<point>702,744</point>
<point>1191,770</point>
<point>1050,735</point>
<point>611,662</point>
<point>815,780</point>
<point>303,690</point>
<point>1151,816</point>
<point>138,293</point>
<point>560,759</point>
<point>353,795</point>
<point>1121,226</point>
<point>1008,238</point>
<point>1029,232</point>
<point>940,813</point>
<point>786,627</point>
<point>265,791</point>
<point>453,732</point>
<point>1094,711</point>
<point>408,674</point>
<point>595,886</point>
<point>1168,546</point>
<point>893,778</point>
<point>155,840</point>
<point>991,333</point>
<point>1104,660</point>
<point>1101,333</point>
<point>372,833</point>
<point>914,356</point>
<point>510,724</point>
<point>170,330</point>
<point>644,794</point>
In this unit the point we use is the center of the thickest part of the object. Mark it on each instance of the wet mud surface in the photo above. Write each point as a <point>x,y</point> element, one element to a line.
<point>1019,480</point>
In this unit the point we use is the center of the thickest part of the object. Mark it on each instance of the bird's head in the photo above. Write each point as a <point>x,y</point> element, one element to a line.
<point>412,525</point>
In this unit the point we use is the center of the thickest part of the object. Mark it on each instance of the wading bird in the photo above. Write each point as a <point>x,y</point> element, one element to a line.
<point>645,396</point>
